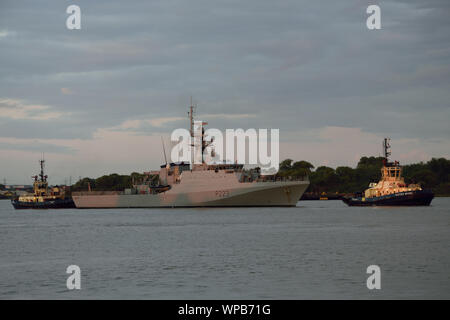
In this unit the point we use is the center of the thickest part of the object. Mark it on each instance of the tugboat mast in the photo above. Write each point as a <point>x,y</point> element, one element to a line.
<point>386,150</point>
<point>43,177</point>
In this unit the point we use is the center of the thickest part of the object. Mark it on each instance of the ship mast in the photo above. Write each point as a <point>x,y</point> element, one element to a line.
<point>191,118</point>
<point>203,143</point>
<point>40,185</point>
<point>390,170</point>
<point>41,175</point>
<point>191,130</point>
<point>164,150</point>
<point>386,150</point>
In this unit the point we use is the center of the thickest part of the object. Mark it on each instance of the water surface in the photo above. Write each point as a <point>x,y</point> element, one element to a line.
<point>320,249</point>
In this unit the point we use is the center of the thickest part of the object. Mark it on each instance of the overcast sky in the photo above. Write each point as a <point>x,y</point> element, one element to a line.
<point>97,100</point>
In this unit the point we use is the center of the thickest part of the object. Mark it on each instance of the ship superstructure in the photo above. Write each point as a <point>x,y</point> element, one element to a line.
<point>391,189</point>
<point>184,184</point>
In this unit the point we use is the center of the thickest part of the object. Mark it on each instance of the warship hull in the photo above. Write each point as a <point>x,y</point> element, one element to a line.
<point>50,204</point>
<point>257,194</point>
<point>409,198</point>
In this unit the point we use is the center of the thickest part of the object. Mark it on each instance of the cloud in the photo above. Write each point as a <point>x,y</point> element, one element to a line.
<point>227,116</point>
<point>4,33</point>
<point>18,109</point>
<point>140,125</point>
<point>66,91</point>
<point>160,122</point>
<point>34,147</point>
<point>344,146</point>
<point>300,66</point>
<point>128,124</point>
<point>123,152</point>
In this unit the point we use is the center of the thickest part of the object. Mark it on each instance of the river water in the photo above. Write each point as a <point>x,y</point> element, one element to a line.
<point>320,249</point>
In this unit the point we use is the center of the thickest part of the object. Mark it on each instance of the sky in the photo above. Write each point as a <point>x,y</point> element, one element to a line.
<point>97,100</point>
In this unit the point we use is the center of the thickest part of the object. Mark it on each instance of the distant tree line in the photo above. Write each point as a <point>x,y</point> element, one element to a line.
<point>434,174</point>
<point>112,182</point>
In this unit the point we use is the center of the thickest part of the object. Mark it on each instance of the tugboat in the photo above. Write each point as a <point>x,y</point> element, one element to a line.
<point>44,197</point>
<point>391,190</point>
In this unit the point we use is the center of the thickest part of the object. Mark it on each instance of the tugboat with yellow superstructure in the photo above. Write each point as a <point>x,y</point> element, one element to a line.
<point>391,190</point>
<point>44,197</point>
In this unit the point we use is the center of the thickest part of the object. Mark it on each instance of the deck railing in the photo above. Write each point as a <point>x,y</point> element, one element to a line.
<point>96,193</point>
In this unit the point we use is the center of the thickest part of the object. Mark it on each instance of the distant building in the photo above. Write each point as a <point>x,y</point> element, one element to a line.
<point>18,187</point>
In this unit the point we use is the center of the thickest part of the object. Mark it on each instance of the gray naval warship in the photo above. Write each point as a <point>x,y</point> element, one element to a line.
<point>199,185</point>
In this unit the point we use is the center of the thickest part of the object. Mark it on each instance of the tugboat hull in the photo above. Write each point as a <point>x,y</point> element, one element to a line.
<point>51,204</point>
<point>408,198</point>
